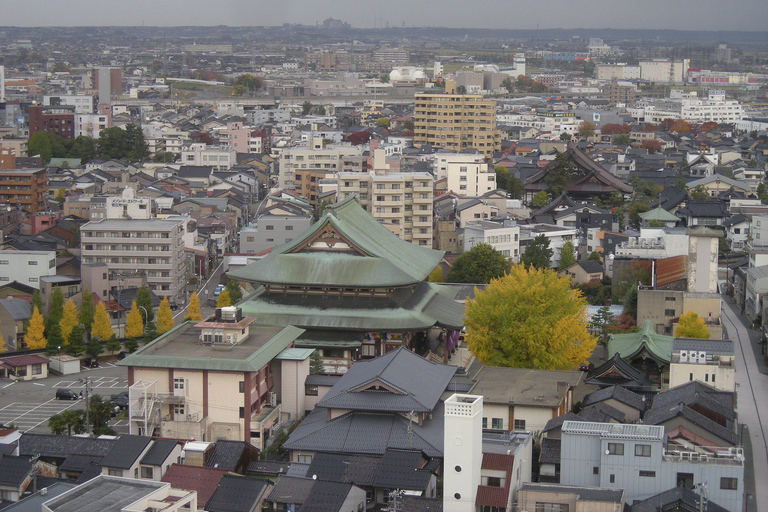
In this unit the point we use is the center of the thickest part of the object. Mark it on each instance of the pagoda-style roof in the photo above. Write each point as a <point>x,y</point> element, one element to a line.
<point>616,371</point>
<point>591,178</point>
<point>644,342</point>
<point>659,214</point>
<point>345,248</point>
<point>407,309</point>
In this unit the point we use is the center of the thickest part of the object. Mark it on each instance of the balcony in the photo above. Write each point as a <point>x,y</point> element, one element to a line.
<point>722,457</point>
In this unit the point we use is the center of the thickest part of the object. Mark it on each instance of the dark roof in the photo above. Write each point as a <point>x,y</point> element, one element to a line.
<point>419,504</point>
<point>616,371</point>
<point>78,463</point>
<point>291,489</point>
<point>268,467</point>
<point>19,309</point>
<point>601,413</point>
<point>400,469</point>
<point>236,494</point>
<point>591,266</point>
<point>719,402</point>
<point>618,393</point>
<point>550,451</point>
<point>326,497</point>
<point>34,502</point>
<point>159,452</point>
<point>48,445</point>
<point>715,209</point>
<point>322,380</point>
<point>226,455</point>
<point>558,421</point>
<point>126,450</point>
<point>658,416</point>
<point>14,470</point>
<point>346,468</point>
<point>678,498</point>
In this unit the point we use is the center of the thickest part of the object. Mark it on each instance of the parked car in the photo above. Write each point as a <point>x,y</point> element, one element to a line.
<point>584,367</point>
<point>120,401</point>
<point>122,355</point>
<point>66,394</point>
<point>91,362</point>
<point>173,305</point>
<point>218,290</point>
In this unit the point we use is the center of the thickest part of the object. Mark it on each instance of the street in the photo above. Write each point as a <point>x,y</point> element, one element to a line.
<point>750,383</point>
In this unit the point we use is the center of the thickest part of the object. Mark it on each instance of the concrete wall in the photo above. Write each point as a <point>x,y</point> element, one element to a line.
<point>717,376</point>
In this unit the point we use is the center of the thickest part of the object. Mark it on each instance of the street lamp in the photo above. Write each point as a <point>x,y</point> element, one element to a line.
<point>146,315</point>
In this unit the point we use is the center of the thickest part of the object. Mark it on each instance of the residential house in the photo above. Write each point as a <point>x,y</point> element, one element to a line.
<point>201,481</point>
<point>239,494</point>
<point>630,404</point>
<point>583,272</point>
<point>703,213</point>
<point>26,367</point>
<point>124,458</point>
<point>14,313</point>
<point>737,231</point>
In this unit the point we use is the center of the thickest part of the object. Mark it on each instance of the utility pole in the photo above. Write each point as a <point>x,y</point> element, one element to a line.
<point>87,381</point>
<point>395,504</point>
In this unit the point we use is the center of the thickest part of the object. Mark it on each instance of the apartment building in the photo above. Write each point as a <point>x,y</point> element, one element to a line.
<point>315,156</point>
<point>24,188</point>
<point>154,246</point>
<point>220,158</point>
<point>402,202</point>
<point>456,121</point>
<point>466,173</point>
<point>26,267</point>
<point>83,103</point>
<point>59,120</point>
<point>715,108</point>
<point>504,238</point>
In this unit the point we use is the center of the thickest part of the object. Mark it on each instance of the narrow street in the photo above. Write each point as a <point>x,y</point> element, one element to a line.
<point>750,383</point>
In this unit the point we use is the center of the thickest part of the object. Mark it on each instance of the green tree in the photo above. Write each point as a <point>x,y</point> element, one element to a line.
<point>567,255</point>
<point>113,345</point>
<point>239,90</point>
<point>502,177</point>
<point>558,177</point>
<point>478,265</point>
<point>94,348</point>
<point>102,325</point>
<point>235,292</point>
<point>382,122</point>
<point>193,309</point>
<point>595,256</point>
<point>540,200</point>
<point>74,345</point>
<point>68,319</point>
<point>622,140</point>
<point>634,214</point>
<point>54,340</point>
<point>565,136</point>
<point>316,366</point>
<point>306,107</point>
<point>224,300</point>
<point>83,148</point>
<point>60,195</point>
<point>125,143</point>
<point>762,193</point>
<point>630,302</point>
<point>538,253</point>
<point>699,193</point>
<point>55,308</point>
<point>36,300</point>
<point>164,317</point>
<point>144,299</point>
<point>320,110</point>
<point>529,318</point>
<point>131,345</point>
<point>68,421</point>
<point>508,84</point>
<point>515,188</point>
<point>602,319</point>
<point>100,413</point>
<point>436,276</point>
<point>85,317</point>
<point>691,326</point>
<point>249,82</point>
<point>46,144</point>
<point>134,322</point>
<point>34,337</point>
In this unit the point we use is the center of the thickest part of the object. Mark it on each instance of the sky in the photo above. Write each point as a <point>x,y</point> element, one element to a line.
<point>738,15</point>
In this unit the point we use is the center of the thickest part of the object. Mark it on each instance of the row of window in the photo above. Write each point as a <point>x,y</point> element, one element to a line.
<point>498,424</point>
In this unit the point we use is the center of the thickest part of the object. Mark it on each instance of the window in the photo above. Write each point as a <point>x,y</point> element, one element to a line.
<point>669,312</point>
<point>178,409</point>
<point>305,459</point>
<point>115,472</point>
<point>728,483</point>
<point>241,386</point>
<point>31,262</point>
<point>497,423</point>
<point>37,369</point>
<point>615,448</point>
<point>178,383</point>
<point>270,228</point>
<point>147,472</point>
<point>242,412</point>
<point>485,422</point>
<point>519,424</point>
<point>310,390</point>
<point>612,479</point>
<point>650,474</point>
<point>595,470</point>
<point>642,450</point>
<point>551,507</point>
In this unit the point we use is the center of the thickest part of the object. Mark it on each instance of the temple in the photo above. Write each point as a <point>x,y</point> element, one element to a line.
<point>358,290</point>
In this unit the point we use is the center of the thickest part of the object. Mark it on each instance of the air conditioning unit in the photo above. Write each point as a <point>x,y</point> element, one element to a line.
<point>683,356</point>
<point>702,357</point>
<point>272,399</point>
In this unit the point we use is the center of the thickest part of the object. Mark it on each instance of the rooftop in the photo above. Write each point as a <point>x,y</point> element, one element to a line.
<point>103,494</point>
<point>522,386</point>
<point>615,430</point>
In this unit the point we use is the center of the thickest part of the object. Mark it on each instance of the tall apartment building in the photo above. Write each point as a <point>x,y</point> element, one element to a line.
<point>456,121</point>
<point>466,173</point>
<point>154,246</point>
<point>59,120</point>
<point>403,202</point>
<point>24,188</point>
<point>316,156</point>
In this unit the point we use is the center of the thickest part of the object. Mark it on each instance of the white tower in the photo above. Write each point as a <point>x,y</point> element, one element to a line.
<point>462,452</point>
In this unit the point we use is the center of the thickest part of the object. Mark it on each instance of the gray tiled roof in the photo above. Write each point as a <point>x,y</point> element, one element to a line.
<point>714,347</point>
<point>676,496</point>
<point>417,384</point>
<point>48,445</point>
<point>290,489</point>
<point>159,452</point>
<point>326,497</point>
<point>341,467</point>
<point>719,402</point>
<point>126,450</point>
<point>19,309</point>
<point>236,494</point>
<point>321,380</point>
<point>268,467</point>
<point>79,463</point>
<point>419,504</point>
<point>400,469</point>
<point>550,451</point>
<point>617,393</point>
<point>14,470</point>
<point>660,415</point>
<point>226,455</point>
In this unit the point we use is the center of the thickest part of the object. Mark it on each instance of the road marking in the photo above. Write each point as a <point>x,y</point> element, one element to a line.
<point>11,384</point>
<point>38,384</point>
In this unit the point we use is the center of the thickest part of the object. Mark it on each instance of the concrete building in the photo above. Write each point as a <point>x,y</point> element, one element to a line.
<point>636,458</point>
<point>620,71</point>
<point>26,267</point>
<point>59,120</point>
<point>536,496</point>
<point>463,451</point>
<point>316,156</point>
<point>402,202</point>
<point>154,246</point>
<point>666,71</point>
<point>655,243</point>
<point>24,188</point>
<point>557,236</point>
<point>456,121</point>
<point>715,108</point>
<point>273,228</point>
<point>219,158</point>
<point>91,125</point>
<point>504,238</point>
<point>83,104</point>
<point>466,173</point>
<point>708,361</point>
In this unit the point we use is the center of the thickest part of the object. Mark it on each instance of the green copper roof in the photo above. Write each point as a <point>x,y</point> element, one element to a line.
<point>375,256</point>
<point>631,345</point>
<point>659,214</point>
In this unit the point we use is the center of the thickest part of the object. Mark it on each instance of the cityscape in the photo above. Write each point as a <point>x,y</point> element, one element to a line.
<point>343,260</point>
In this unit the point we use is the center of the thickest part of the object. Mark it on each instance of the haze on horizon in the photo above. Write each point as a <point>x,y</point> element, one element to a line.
<point>737,15</point>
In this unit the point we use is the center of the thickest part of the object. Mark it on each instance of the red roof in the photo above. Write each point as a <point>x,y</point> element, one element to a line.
<point>491,496</point>
<point>498,461</point>
<point>195,478</point>
<point>23,360</point>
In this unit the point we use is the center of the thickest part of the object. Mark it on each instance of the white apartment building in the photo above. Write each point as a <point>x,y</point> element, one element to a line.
<point>555,122</point>
<point>402,202</point>
<point>715,108</point>
<point>26,267</point>
<point>620,71</point>
<point>655,243</point>
<point>90,125</point>
<point>315,156</point>
<point>220,158</point>
<point>467,173</point>
<point>503,238</point>
<point>154,246</point>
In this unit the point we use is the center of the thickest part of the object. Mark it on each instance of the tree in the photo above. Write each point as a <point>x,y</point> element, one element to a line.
<point>134,322</point>
<point>316,366</point>
<point>762,193</point>
<point>537,254</point>
<point>586,129</point>
<point>68,421</point>
<point>515,187</point>
<point>530,318</point>
<point>249,82</point>
<point>144,299</point>
<point>502,176</point>
<point>113,344</point>
<point>46,144</point>
<point>615,129</point>
<point>60,195</point>
<point>193,309</point>
<point>68,319</point>
<point>2,344</point>
<point>699,193</point>
<point>652,145</point>
<point>621,140</point>
<point>100,414</point>
<point>164,317</point>
<point>382,122</point>
<point>36,300</point>
<point>602,319</point>
<point>306,107</point>
<point>567,255</point>
<point>595,256</point>
<point>74,345</point>
<point>126,143</point>
<point>54,340</point>
<point>709,126</point>
<point>224,300</point>
<point>630,302</point>
<point>131,345</point>
<point>565,136</point>
<point>102,325</point>
<point>478,265</point>
<point>55,308</point>
<point>34,337</point>
<point>540,200</point>
<point>691,326</point>
<point>83,148</point>
<point>634,214</point>
<point>94,348</point>
<point>235,292</point>
<point>558,177</point>
<point>436,276</point>
<point>239,90</point>
<point>86,310</point>
<point>508,84</point>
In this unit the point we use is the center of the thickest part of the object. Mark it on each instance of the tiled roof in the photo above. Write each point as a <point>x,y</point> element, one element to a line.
<point>419,504</point>
<point>491,496</point>
<point>237,494</point>
<point>550,451</point>
<point>291,490</point>
<point>47,445</point>
<point>617,393</point>
<point>340,467</point>
<point>227,454</point>
<point>14,470</point>
<point>24,360</point>
<point>79,463</point>
<point>126,450</point>
<point>680,498</point>
<point>194,478</point>
<point>400,469</point>
<point>159,452</point>
<point>326,497</point>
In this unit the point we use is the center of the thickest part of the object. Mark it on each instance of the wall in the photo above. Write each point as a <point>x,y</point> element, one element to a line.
<point>535,418</point>
<point>724,376</point>
<point>26,267</point>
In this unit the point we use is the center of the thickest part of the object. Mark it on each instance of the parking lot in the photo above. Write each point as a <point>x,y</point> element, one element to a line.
<point>28,405</point>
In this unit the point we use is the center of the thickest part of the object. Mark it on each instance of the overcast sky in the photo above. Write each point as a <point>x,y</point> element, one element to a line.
<point>514,14</point>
